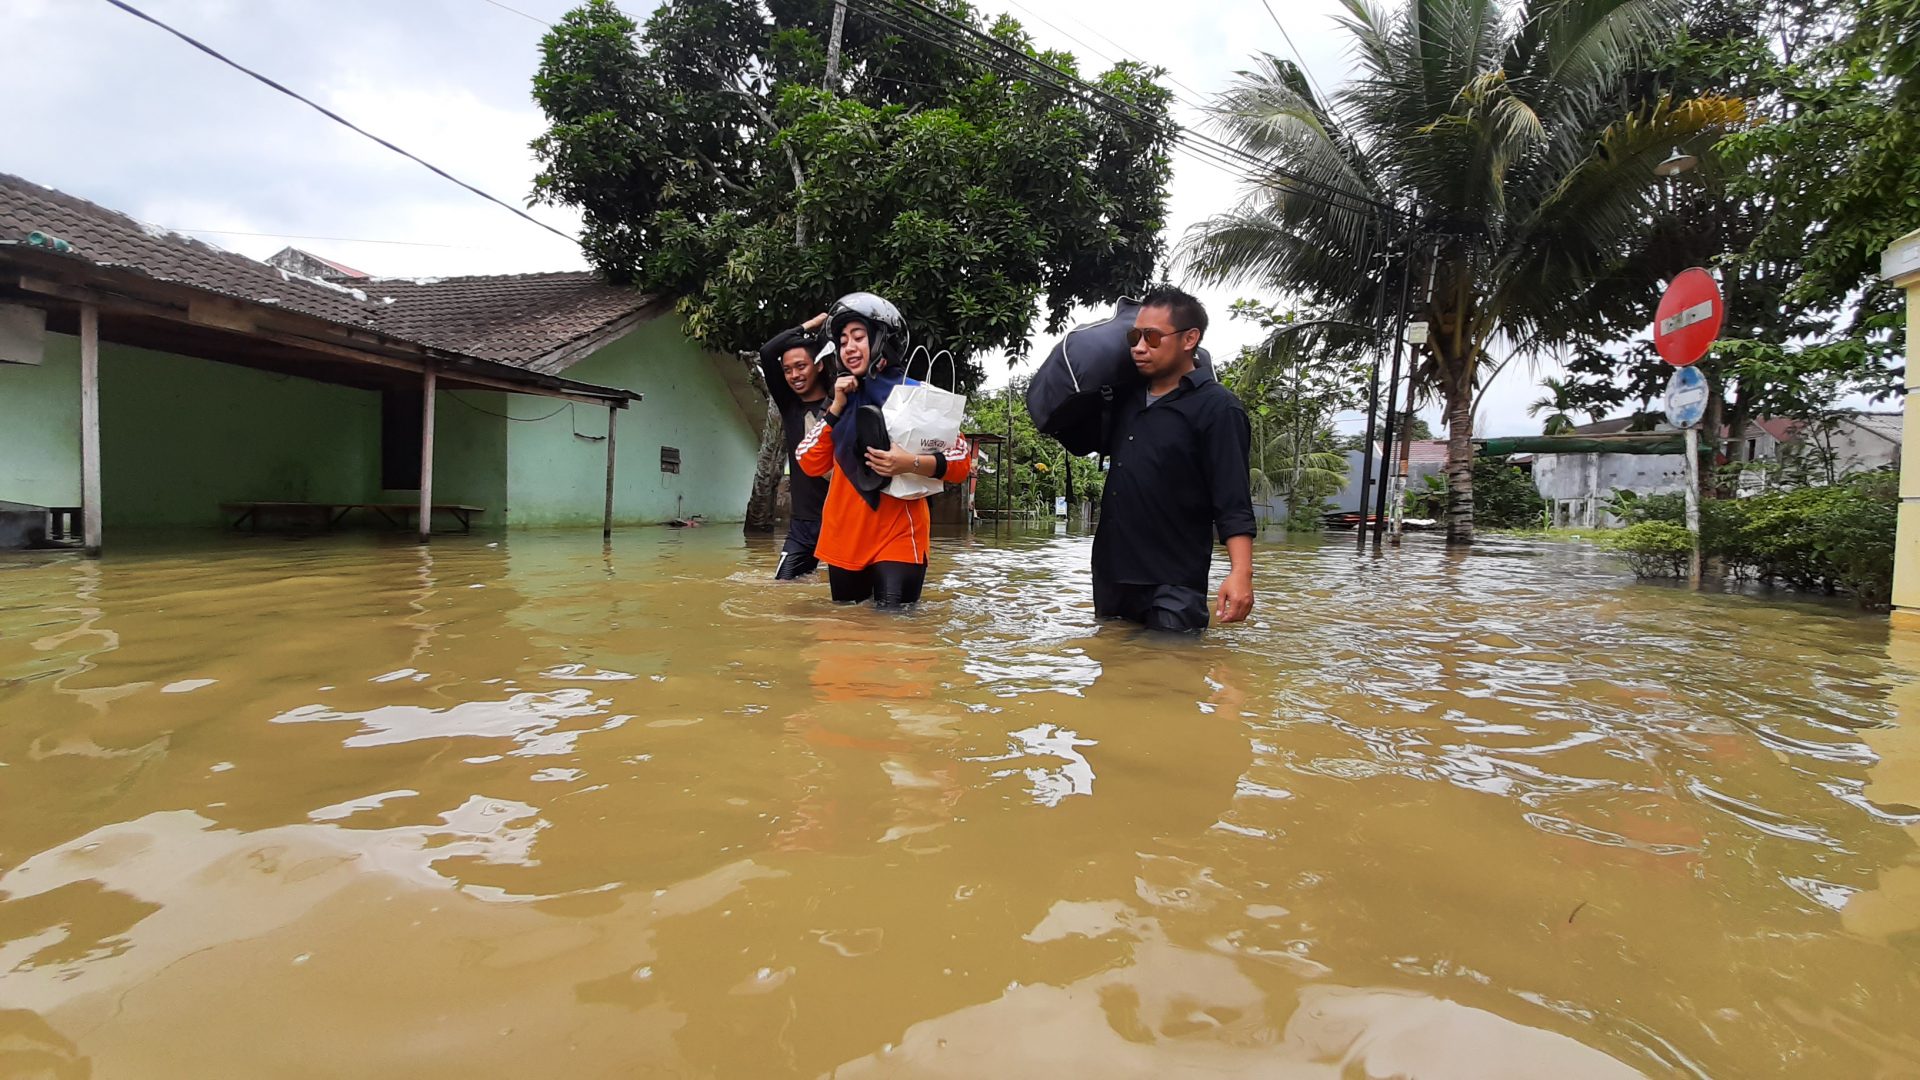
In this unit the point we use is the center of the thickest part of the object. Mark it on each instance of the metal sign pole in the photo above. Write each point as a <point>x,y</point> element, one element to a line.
<point>1686,405</point>
<point>1693,505</point>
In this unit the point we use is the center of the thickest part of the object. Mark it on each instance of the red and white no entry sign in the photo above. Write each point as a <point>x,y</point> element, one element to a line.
<point>1689,317</point>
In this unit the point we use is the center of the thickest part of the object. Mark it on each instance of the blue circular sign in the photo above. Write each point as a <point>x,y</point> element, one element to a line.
<point>1686,398</point>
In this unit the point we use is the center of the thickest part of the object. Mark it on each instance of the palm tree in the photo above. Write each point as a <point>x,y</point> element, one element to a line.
<point>1292,399</point>
<point>1487,126</point>
<point>1556,405</point>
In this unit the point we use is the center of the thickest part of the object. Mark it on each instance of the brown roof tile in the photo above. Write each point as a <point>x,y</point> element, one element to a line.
<point>515,319</point>
<point>512,319</point>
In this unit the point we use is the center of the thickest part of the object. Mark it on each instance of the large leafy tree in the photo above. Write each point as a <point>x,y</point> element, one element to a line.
<point>1790,208</point>
<point>1023,474</point>
<point>971,187</point>
<point>1497,131</point>
<point>1293,387</point>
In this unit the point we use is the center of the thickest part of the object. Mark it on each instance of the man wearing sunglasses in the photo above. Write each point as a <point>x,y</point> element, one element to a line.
<point>1178,477</point>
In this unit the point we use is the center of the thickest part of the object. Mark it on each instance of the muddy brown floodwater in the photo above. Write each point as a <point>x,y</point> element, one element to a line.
<point>518,806</point>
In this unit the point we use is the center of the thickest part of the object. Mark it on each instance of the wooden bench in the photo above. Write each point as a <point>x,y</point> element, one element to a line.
<point>396,514</point>
<point>324,515</point>
<point>327,515</point>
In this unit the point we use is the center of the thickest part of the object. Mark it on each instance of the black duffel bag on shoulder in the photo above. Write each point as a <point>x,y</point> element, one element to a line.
<point>1071,394</point>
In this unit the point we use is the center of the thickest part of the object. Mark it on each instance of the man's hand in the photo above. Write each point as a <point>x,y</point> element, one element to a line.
<point>815,323</point>
<point>893,462</point>
<point>1236,597</point>
<point>1236,593</point>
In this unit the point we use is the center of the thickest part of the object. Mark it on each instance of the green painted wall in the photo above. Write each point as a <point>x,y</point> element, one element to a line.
<point>40,427</point>
<point>555,477</point>
<point>469,454</point>
<point>179,436</point>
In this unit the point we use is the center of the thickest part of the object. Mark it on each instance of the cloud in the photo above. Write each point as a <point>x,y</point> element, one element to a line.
<point>117,111</point>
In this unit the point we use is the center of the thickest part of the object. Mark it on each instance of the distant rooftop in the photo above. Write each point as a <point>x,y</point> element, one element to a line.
<point>516,319</point>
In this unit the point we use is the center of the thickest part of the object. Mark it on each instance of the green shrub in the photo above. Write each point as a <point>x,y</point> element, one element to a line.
<point>1504,496</point>
<point>1653,549</point>
<point>1837,537</point>
<point>1857,533</point>
<point>1633,509</point>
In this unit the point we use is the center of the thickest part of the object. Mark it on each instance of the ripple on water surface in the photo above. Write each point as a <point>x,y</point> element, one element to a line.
<point>524,804</point>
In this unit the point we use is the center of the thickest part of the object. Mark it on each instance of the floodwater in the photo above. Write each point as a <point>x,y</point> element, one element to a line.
<point>519,806</point>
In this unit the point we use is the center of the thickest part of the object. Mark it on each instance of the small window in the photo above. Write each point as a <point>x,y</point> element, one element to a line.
<point>670,459</point>
<point>1753,449</point>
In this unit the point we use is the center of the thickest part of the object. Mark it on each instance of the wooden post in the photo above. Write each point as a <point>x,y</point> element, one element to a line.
<point>426,454</point>
<point>1693,504</point>
<point>606,523</point>
<point>1072,503</point>
<point>90,428</point>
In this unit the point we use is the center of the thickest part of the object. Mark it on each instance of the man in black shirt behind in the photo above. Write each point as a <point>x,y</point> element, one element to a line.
<point>792,365</point>
<point>1179,475</point>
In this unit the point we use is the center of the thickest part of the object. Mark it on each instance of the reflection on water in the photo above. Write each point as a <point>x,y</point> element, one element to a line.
<point>532,806</point>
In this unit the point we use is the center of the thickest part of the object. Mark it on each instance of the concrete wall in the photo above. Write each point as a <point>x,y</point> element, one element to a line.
<point>1859,446</point>
<point>556,466</point>
<point>40,427</point>
<point>1589,480</point>
<point>179,436</point>
<point>469,453</point>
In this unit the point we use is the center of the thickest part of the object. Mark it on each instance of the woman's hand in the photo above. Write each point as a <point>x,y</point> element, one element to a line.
<point>844,385</point>
<point>893,462</point>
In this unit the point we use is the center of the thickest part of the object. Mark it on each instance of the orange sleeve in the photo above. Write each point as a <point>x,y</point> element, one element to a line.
<point>816,450</point>
<point>959,461</point>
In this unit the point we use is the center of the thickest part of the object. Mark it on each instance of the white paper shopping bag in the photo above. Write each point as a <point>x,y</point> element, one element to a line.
<point>923,419</point>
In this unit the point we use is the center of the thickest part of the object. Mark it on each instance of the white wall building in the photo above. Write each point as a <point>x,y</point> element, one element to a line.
<point>1579,486</point>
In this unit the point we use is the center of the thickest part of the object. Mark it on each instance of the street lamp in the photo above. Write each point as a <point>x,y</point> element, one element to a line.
<point>1676,164</point>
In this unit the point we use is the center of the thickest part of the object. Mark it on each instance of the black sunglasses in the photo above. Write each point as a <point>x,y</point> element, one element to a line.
<point>1153,335</point>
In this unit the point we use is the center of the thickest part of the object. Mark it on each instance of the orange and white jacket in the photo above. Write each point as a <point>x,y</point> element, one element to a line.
<point>854,537</point>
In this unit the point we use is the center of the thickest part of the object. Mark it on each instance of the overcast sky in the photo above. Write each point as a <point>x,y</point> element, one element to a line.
<point>111,109</point>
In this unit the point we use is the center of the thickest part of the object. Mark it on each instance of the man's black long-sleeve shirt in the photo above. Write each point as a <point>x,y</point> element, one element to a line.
<point>808,493</point>
<point>1178,479</point>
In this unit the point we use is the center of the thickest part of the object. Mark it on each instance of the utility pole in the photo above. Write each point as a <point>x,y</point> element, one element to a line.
<point>1006,464</point>
<point>1393,380</point>
<point>1373,403</point>
<point>833,46</point>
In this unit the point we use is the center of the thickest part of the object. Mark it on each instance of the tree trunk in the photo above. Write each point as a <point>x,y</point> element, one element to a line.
<point>1712,483</point>
<point>1738,414</point>
<point>763,505</point>
<point>1459,461</point>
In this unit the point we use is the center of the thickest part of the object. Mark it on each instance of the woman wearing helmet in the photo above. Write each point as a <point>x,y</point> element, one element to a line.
<point>874,545</point>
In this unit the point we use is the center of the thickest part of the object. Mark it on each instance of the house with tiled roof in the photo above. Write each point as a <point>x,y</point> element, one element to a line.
<point>1578,486</point>
<point>152,379</point>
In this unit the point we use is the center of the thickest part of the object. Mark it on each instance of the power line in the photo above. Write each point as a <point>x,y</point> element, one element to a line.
<point>1296,53</point>
<point>335,117</point>
<point>522,14</point>
<point>1008,61</point>
<point>1123,49</point>
<point>1192,102</point>
<point>1032,69</point>
<point>515,419</point>
<point>333,239</point>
